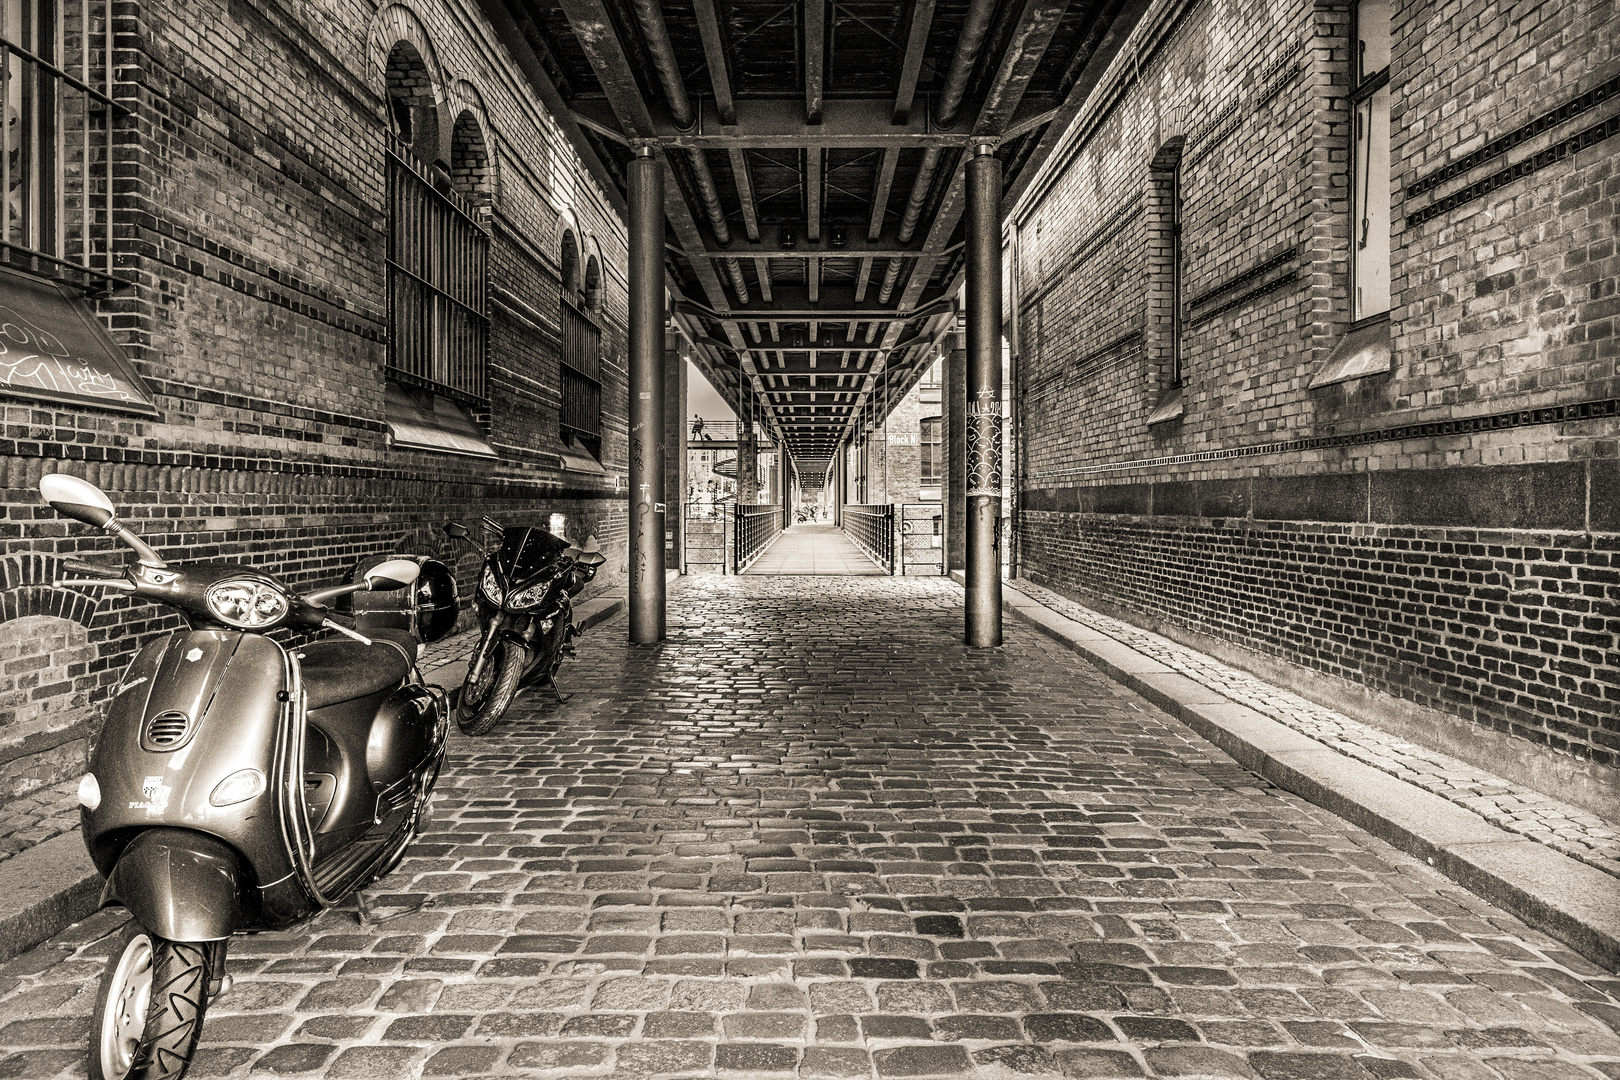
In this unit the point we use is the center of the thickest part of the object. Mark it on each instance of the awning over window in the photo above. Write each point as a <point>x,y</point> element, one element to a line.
<point>1360,352</point>
<point>426,421</point>
<point>53,347</point>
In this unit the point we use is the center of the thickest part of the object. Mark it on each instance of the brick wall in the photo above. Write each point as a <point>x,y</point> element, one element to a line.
<point>1441,531</point>
<point>251,217</point>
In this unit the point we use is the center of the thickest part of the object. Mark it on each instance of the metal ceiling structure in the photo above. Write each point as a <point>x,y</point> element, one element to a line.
<point>813,155</point>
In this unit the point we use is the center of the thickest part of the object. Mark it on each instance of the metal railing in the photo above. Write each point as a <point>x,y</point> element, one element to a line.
<point>922,543</point>
<point>756,527</point>
<point>711,430</point>
<point>871,528</point>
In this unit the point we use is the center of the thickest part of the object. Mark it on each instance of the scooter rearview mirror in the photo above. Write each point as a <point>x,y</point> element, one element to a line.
<point>456,530</point>
<point>78,499</point>
<point>393,574</point>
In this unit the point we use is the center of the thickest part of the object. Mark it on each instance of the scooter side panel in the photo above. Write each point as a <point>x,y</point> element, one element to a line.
<point>226,686</point>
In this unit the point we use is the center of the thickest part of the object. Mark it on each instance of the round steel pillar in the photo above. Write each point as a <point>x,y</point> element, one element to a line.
<point>983,426</point>
<point>646,399</point>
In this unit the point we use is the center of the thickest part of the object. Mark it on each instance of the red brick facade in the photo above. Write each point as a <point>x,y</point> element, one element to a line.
<point>251,217</point>
<point>1444,531</point>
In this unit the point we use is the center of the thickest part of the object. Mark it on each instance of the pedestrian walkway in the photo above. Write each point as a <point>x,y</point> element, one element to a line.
<point>812,835</point>
<point>806,550</point>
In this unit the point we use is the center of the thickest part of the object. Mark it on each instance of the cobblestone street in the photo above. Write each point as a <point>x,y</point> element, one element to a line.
<point>813,835</point>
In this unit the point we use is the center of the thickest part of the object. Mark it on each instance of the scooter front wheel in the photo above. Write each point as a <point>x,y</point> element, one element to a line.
<point>482,704</point>
<point>149,1007</point>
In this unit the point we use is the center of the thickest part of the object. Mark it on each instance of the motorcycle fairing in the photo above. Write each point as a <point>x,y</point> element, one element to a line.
<point>180,884</point>
<point>228,685</point>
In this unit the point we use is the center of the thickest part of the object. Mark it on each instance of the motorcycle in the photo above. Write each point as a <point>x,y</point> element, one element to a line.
<point>238,784</point>
<point>524,600</point>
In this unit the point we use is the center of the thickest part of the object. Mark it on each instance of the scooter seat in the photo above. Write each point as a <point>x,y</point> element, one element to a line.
<point>342,670</point>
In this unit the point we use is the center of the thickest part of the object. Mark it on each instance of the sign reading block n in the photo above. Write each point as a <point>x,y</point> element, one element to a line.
<point>53,347</point>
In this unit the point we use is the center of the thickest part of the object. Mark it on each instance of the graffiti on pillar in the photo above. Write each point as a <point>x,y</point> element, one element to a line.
<point>635,453</point>
<point>984,445</point>
<point>641,566</point>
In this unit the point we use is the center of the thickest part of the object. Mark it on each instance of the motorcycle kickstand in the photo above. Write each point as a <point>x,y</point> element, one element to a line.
<point>557,693</point>
<point>364,910</point>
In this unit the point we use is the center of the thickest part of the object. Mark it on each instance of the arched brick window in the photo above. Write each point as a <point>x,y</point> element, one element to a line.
<point>438,255</point>
<point>581,417</point>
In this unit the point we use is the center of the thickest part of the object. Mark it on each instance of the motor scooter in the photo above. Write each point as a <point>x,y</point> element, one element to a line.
<point>524,600</point>
<point>238,784</point>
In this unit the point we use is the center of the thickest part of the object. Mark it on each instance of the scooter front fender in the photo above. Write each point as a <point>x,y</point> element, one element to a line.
<point>182,885</point>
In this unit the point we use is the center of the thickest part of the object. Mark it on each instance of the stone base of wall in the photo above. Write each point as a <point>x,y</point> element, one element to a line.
<point>1461,640</point>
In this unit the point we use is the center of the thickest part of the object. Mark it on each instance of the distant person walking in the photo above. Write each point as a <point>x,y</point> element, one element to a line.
<point>697,427</point>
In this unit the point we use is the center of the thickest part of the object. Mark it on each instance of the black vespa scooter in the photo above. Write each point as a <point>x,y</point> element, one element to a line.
<point>525,602</point>
<point>237,784</point>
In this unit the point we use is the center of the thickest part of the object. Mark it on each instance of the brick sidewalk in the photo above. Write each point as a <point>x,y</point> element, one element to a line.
<point>1532,814</point>
<point>811,835</point>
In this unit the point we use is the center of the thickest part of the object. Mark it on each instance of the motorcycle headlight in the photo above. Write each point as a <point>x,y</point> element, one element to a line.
<point>530,596</point>
<point>246,605</point>
<point>491,587</point>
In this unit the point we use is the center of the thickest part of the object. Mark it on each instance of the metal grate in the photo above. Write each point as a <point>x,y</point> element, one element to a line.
<point>56,80</point>
<point>581,379</point>
<point>438,278</point>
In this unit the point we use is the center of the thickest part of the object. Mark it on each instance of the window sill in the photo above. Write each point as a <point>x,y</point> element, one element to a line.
<point>1169,408</point>
<point>433,422</point>
<point>1364,350</point>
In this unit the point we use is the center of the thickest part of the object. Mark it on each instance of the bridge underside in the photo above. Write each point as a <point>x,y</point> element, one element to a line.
<point>813,156</point>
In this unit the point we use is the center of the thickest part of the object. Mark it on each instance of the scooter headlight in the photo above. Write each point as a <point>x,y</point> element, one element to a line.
<point>528,597</point>
<point>240,786</point>
<point>491,587</point>
<point>89,791</point>
<point>246,605</point>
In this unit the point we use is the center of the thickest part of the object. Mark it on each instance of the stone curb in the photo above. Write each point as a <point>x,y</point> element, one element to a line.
<point>53,885</point>
<point>1564,897</point>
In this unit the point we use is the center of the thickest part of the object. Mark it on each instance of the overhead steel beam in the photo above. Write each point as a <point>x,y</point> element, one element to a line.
<point>922,18</point>
<point>745,195</point>
<point>812,193</point>
<point>880,194</point>
<point>1026,47</point>
<point>1103,45</point>
<point>815,58</point>
<point>714,54</point>
<point>779,124</point>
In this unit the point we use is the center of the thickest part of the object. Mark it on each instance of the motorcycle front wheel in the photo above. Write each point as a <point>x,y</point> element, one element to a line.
<point>149,1007</point>
<point>482,704</point>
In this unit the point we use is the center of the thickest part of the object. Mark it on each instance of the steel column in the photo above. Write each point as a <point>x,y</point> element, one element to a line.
<point>646,175</point>
<point>838,469</point>
<point>983,425</point>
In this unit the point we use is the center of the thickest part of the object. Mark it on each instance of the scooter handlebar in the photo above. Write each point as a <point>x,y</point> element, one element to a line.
<point>81,566</point>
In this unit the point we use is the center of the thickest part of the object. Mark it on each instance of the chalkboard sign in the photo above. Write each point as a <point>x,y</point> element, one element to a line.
<point>52,346</point>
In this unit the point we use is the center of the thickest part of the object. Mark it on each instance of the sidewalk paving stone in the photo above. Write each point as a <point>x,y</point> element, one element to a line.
<point>812,835</point>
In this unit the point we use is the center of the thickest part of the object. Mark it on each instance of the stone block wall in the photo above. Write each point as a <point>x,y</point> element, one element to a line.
<point>1436,539</point>
<point>251,221</point>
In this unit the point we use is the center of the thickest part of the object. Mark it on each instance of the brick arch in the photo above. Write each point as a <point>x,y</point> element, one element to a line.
<point>474,160</point>
<point>26,589</point>
<point>393,24</point>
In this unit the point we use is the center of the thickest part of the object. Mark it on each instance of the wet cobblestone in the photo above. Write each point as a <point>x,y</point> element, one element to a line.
<point>1511,806</point>
<point>811,835</point>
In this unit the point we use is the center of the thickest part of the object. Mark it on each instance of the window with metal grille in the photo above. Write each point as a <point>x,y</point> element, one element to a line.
<point>438,275</point>
<point>1370,210</point>
<point>56,78</point>
<point>931,465</point>
<point>581,380</point>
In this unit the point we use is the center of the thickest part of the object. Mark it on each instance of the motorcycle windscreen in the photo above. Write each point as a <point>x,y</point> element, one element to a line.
<point>526,551</point>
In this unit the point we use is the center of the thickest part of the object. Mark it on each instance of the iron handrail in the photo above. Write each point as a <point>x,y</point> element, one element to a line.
<point>757,525</point>
<point>871,528</point>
